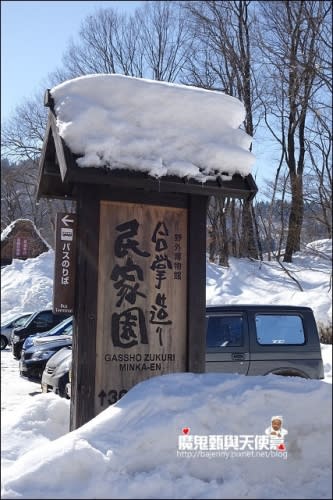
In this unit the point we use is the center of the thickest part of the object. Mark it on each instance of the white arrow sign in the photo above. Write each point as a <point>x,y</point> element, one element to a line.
<point>66,221</point>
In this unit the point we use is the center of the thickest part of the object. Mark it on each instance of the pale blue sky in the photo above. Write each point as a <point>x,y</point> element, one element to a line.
<point>34,36</point>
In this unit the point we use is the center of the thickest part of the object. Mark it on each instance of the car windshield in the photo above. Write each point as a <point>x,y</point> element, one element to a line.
<point>30,318</point>
<point>67,330</point>
<point>62,327</point>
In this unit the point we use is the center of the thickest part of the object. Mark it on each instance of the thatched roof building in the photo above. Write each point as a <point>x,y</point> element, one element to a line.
<point>21,240</point>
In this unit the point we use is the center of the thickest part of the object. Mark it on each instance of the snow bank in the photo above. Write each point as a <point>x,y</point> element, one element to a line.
<point>131,450</point>
<point>27,285</point>
<point>256,282</point>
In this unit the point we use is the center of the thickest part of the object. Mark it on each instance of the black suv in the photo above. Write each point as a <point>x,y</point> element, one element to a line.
<point>263,339</point>
<point>40,321</point>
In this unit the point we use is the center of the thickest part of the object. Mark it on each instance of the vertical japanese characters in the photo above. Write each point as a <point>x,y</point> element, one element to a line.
<point>128,327</point>
<point>161,265</point>
<point>64,275</point>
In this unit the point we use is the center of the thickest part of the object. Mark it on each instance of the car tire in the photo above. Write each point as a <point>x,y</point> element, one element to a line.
<point>3,342</point>
<point>62,385</point>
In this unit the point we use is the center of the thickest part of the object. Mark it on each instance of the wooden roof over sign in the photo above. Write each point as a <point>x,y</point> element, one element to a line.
<point>59,173</point>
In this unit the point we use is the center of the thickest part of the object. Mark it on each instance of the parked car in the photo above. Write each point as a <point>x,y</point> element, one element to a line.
<point>63,328</point>
<point>263,339</point>
<point>7,327</point>
<point>34,359</point>
<point>40,321</point>
<point>56,372</point>
<point>257,340</point>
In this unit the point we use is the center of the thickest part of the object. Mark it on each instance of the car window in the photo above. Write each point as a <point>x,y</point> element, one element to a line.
<point>279,329</point>
<point>21,321</point>
<point>45,315</point>
<point>68,330</point>
<point>59,327</point>
<point>225,331</point>
<point>11,322</point>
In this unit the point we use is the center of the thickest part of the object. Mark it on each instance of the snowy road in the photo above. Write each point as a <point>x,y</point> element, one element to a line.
<point>15,390</point>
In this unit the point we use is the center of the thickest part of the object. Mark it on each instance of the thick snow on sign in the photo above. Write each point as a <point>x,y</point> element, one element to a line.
<point>161,128</point>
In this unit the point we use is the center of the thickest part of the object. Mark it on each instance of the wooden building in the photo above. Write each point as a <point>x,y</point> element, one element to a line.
<point>21,240</point>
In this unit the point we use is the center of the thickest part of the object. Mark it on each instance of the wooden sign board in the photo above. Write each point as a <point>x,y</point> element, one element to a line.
<point>142,297</point>
<point>64,268</point>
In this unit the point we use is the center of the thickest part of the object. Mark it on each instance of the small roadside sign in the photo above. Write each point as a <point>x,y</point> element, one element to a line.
<point>64,265</point>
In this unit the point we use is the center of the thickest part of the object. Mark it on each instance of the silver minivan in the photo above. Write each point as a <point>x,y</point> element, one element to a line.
<point>263,339</point>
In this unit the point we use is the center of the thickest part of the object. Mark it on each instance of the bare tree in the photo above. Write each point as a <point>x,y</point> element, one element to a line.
<point>108,42</point>
<point>221,51</point>
<point>273,215</point>
<point>23,134</point>
<point>320,147</point>
<point>18,198</point>
<point>225,230</point>
<point>164,39</point>
<point>318,177</point>
<point>221,59</point>
<point>218,242</point>
<point>151,43</point>
<point>291,43</point>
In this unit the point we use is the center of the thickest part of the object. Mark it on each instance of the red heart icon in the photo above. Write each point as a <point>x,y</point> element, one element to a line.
<point>186,430</point>
<point>281,447</point>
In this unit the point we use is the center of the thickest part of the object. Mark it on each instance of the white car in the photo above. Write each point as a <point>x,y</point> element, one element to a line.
<point>6,328</point>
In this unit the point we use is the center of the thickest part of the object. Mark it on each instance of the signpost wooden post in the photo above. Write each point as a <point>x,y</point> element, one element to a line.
<point>140,245</point>
<point>65,265</point>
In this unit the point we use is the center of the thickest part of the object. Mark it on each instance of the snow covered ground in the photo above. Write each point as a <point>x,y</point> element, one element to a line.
<point>131,450</point>
<point>180,435</point>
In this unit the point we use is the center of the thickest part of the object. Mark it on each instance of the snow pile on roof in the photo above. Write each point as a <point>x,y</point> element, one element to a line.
<point>136,447</point>
<point>122,122</point>
<point>8,230</point>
